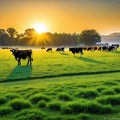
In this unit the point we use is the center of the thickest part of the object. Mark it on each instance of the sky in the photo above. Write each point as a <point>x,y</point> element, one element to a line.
<point>69,16</point>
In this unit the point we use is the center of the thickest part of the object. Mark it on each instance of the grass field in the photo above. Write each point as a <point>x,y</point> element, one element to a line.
<point>60,86</point>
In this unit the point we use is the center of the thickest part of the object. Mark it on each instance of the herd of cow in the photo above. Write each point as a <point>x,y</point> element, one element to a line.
<point>23,54</point>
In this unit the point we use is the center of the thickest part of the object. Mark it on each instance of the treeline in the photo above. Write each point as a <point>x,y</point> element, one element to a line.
<point>10,37</point>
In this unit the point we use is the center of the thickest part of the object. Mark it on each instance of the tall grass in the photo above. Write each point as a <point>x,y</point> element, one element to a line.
<point>30,115</point>
<point>38,97</point>
<point>42,104</point>
<point>19,104</point>
<point>112,99</point>
<point>10,96</point>
<point>64,96</point>
<point>55,105</point>
<point>2,100</point>
<point>88,107</point>
<point>88,93</point>
<point>5,110</point>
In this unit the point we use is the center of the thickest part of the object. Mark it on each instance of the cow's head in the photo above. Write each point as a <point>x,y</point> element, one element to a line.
<point>13,51</point>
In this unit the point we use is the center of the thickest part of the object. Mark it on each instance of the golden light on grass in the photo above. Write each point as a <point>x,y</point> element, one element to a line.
<point>40,28</point>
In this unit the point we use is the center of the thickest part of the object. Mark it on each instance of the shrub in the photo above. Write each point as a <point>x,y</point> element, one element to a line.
<point>117,89</point>
<point>101,88</point>
<point>64,96</point>
<point>2,100</point>
<point>96,108</point>
<point>106,109</point>
<point>88,107</point>
<point>41,104</point>
<point>110,83</point>
<point>83,117</point>
<point>5,110</point>
<point>30,115</point>
<point>54,105</point>
<point>73,108</point>
<point>11,96</point>
<point>18,104</point>
<point>113,100</point>
<point>93,107</point>
<point>66,109</point>
<point>108,92</point>
<point>36,98</point>
<point>90,93</point>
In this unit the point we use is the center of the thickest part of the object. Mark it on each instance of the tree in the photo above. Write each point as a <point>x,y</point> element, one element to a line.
<point>3,37</point>
<point>89,37</point>
<point>30,33</point>
<point>12,32</point>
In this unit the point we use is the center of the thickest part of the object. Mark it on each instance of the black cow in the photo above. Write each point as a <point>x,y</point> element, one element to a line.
<point>116,46</point>
<point>111,48</point>
<point>60,49</point>
<point>95,48</point>
<point>22,54</point>
<point>90,49</point>
<point>76,50</point>
<point>104,48</point>
<point>49,49</point>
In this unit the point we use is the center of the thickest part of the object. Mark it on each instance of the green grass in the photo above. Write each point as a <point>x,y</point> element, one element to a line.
<point>60,87</point>
<point>53,104</point>
<point>19,104</point>
<point>54,64</point>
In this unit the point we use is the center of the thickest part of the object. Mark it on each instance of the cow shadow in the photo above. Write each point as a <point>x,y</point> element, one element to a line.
<point>89,60</point>
<point>20,72</point>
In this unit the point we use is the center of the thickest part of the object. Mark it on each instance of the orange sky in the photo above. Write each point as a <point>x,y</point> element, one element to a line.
<point>61,15</point>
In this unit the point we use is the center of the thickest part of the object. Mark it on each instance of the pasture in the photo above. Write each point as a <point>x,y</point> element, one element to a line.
<point>60,86</point>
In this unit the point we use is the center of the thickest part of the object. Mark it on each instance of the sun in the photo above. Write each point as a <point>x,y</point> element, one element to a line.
<point>40,28</point>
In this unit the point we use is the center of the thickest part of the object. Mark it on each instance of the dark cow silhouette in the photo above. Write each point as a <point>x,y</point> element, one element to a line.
<point>90,49</point>
<point>115,45</point>
<point>104,48</point>
<point>108,48</point>
<point>76,50</point>
<point>49,49</point>
<point>60,49</point>
<point>22,54</point>
<point>95,48</point>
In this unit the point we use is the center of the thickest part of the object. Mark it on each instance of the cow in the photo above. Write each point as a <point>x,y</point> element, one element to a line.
<point>115,45</point>
<point>22,54</point>
<point>49,49</point>
<point>76,50</point>
<point>104,48</point>
<point>90,49</point>
<point>95,48</point>
<point>60,49</point>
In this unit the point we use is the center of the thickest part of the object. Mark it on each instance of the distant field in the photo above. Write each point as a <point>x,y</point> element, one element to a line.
<point>60,86</point>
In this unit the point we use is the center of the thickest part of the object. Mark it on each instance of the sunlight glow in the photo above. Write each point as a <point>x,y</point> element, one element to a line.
<point>40,28</point>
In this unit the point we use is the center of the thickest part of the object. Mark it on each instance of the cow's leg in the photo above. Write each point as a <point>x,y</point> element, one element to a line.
<point>19,63</point>
<point>28,61</point>
<point>81,53</point>
<point>31,60</point>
